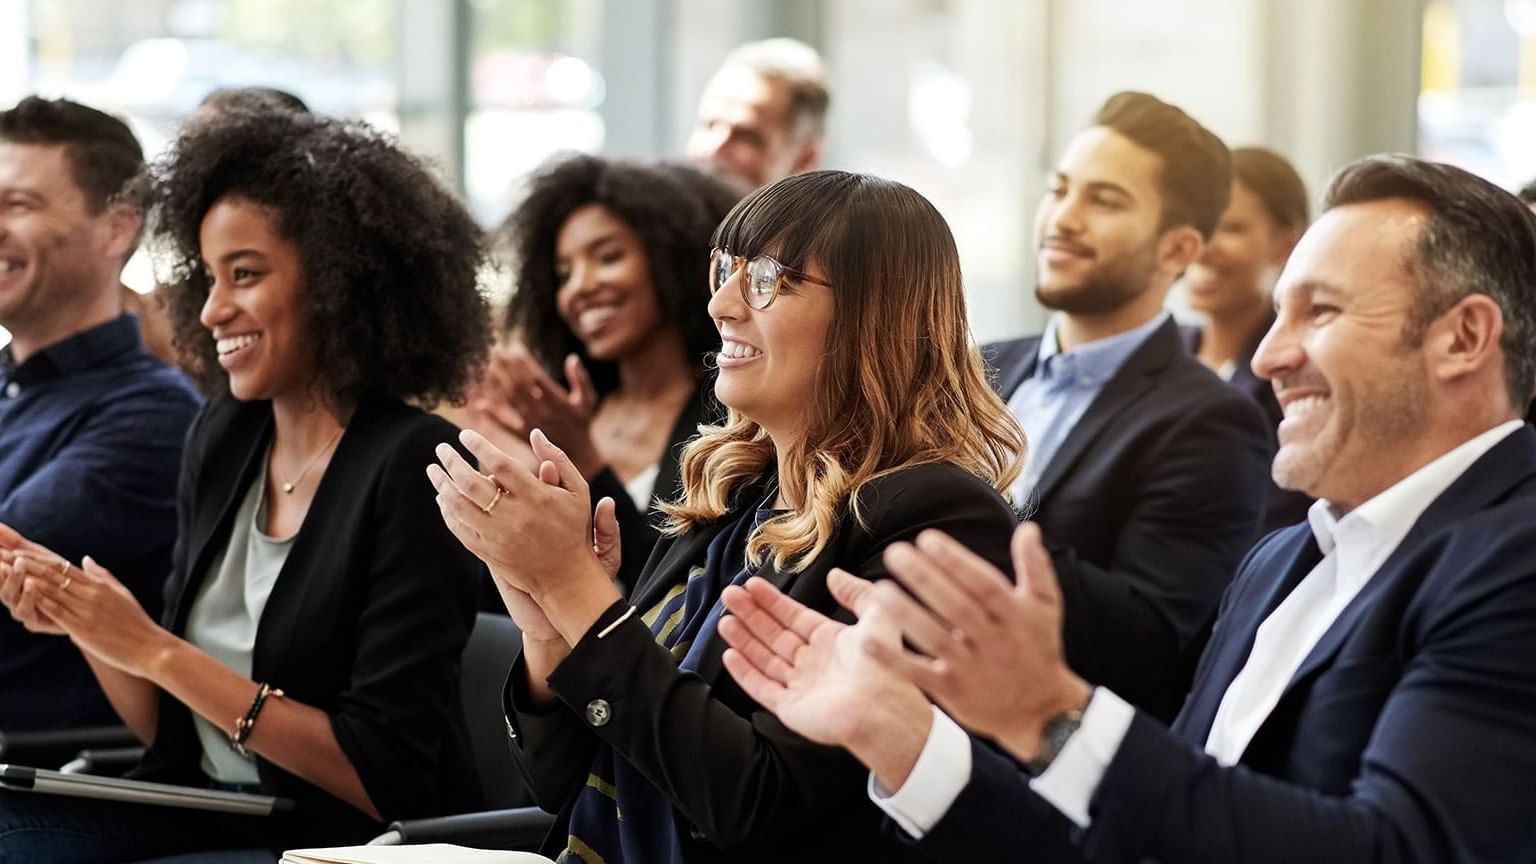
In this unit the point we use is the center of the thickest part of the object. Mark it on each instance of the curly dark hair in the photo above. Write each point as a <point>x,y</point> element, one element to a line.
<point>390,258</point>
<point>674,208</point>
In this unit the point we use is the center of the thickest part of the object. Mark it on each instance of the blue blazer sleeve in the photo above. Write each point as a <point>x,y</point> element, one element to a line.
<point>997,818</point>
<point>1448,771</point>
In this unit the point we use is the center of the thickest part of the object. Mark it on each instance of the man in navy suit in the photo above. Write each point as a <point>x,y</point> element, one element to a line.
<point>1368,692</point>
<point>1148,475</point>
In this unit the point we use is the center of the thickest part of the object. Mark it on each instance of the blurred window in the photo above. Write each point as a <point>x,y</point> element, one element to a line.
<point>1477,96</point>
<point>534,90</point>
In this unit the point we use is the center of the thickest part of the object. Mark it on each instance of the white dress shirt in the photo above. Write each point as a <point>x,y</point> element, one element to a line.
<point>1354,547</point>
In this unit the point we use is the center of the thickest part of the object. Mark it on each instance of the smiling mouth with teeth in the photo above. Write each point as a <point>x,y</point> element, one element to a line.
<point>738,351</point>
<point>231,344</point>
<point>1303,407</point>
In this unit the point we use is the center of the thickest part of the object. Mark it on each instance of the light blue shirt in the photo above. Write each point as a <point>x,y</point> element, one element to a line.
<point>1049,403</point>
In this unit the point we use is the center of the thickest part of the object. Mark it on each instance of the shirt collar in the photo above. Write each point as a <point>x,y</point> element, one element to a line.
<point>85,350</point>
<point>1383,521</point>
<point>1092,363</point>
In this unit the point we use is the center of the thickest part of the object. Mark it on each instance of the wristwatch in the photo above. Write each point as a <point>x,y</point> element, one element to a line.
<point>1053,738</point>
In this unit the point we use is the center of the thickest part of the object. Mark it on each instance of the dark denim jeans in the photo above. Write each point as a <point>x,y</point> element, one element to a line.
<point>56,829</point>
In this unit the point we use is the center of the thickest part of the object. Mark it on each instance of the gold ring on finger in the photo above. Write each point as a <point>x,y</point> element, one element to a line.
<point>495,498</point>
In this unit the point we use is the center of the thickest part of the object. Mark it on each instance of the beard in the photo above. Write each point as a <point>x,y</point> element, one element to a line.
<point>1381,414</point>
<point>1110,285</point>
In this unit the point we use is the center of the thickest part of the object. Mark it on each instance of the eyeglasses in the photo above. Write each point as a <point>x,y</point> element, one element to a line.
<point>764,279</point>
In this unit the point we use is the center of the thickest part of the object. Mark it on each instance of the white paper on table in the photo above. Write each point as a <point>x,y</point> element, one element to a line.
<point>427,853</point>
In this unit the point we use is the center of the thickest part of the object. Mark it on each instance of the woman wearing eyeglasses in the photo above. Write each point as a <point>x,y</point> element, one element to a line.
<point>859,415</point>
<point>610,326</point>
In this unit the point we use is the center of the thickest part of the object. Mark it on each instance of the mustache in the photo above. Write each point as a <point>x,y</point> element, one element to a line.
<point>1070,245</point>
<point>1297,381</point>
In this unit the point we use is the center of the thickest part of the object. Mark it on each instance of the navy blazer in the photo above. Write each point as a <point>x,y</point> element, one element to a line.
<point>1147,507</point>
<point>366,621</point>
<point>743,787</point>
<point>1286,507</point>
<point>1407,734</point>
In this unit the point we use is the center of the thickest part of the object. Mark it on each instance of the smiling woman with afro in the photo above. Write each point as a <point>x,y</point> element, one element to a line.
<point>317,606</point>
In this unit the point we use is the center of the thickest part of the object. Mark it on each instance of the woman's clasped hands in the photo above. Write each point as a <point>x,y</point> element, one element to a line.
<point>552,555</point>
<point>47,594</point>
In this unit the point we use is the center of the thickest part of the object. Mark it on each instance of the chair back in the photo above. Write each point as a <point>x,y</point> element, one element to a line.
<point>493,645</point>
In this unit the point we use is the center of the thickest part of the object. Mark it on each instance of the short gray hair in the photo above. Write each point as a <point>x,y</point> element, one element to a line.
<point>798,67</point>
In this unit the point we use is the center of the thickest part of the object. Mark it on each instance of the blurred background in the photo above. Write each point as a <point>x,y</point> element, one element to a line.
<point>966,100</point>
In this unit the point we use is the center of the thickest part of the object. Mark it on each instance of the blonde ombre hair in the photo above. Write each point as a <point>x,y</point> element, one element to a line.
<point>901,383</point>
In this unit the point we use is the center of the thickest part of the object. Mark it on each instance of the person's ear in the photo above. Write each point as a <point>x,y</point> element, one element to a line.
<point>1178,248</point>
<point>1464,340</point>
<point>809,157</point>
<point>121,224</point>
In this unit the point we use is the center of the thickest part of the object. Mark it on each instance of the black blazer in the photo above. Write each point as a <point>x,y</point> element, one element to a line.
<point>744,788</point>
<point>1147,507</point>
<point>1407,734</point>
<point>637,528</point>
<point>366,621</point>
<point>1286,507</point>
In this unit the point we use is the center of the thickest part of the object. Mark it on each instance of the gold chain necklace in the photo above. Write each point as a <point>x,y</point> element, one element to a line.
<point>288,487</point>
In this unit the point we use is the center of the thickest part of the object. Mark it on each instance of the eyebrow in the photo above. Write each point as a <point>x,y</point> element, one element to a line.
<point>1095,185</point>
<point>590,245</point>
<point>231,257</point>
<point>1311,287</point>
<point>23,192</point>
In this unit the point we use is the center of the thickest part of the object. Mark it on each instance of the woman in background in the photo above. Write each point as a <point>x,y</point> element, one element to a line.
<point>610,328</point>
<point>1231,284</point>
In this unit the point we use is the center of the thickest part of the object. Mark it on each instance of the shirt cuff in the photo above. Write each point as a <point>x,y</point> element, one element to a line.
<point>1075,773</point>
<point>937,779</point>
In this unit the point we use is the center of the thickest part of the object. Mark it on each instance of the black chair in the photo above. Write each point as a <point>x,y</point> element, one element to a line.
<point>493,645</point>
<point>43,748</point>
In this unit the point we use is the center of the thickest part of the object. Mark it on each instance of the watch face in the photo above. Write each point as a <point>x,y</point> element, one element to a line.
<point>1058,730</point>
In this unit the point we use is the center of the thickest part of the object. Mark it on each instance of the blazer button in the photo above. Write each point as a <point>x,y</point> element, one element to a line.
<point>12,390</point>
<point>598,712</point>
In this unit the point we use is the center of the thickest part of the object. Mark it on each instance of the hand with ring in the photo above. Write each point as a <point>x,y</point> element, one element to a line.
<point>494,498</point>
<point>88,604</point>
<point>536,533</point>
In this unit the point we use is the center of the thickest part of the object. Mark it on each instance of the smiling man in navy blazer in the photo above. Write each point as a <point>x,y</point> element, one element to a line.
<point>1146,472</point>
<point>1368,693</point>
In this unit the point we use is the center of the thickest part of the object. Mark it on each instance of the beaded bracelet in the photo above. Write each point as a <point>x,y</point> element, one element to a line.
<point>245,725</point>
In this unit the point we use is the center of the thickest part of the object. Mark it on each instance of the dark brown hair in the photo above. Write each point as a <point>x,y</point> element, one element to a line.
<point>1479,239</point>
<point>103,155</point>
<point>1196,177</point>
<point>1275,181</point>
<point>900,383</point>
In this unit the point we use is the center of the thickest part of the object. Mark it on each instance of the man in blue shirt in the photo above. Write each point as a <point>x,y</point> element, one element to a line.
<point>1146,473</point>
<point>91,425</point>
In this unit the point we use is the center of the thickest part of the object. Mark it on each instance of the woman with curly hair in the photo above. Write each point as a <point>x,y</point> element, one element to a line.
<point>611,328</point>
<point>317,607</point>
<point>859,415</point>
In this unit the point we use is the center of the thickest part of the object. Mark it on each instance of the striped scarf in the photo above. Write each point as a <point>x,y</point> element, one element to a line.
<point>619,816</point>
